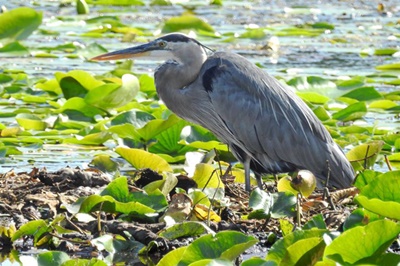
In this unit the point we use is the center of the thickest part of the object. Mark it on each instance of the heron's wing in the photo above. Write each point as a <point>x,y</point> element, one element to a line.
<point>267,120</point>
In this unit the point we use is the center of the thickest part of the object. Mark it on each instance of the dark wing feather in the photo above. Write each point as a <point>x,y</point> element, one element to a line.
<point>269,122</point>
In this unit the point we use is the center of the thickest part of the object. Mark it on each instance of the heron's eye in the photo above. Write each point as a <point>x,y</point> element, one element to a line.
<point>162,44</point>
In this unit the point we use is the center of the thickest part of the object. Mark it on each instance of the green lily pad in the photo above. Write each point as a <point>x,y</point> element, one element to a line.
<point>360,217</point>
<point>224,245</point>
<point>19,23</point>
<point>110,96</point>
<point>351,112</point>
<point>14,48</point>
<point>363,94</point>
<point>376,237</point>
<point>294,249</point>
<point>141,159</point>
<point>30,122</point>
<point>51,258</point>
<point>186,22</point>
<point>394,66</point>
<point>364,155</point>
<point>382,195</point>
<point>184,229</point>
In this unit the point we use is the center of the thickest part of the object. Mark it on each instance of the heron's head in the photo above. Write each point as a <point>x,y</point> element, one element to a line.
<point>175,46</point>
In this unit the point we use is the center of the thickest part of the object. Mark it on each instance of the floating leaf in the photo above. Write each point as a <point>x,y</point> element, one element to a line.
<point>364,155</point>
<point>351,112</point>
<point>51,258</point>
<point>35,228</point>
<point>110,96</point>
<point>184,229</point>
<point>19,23</point>
<point>30,122</point>
<point>173,257</point>
<point>313,97</point>
<point>294,249</point>
<point>186,22</point>
<point>141,159</point>
<point>116,2</point>
<point>79,104</point>
<point>206,176</point>
<point>394,66</point>
<point>82,7</point>
<point>360,217</point>
<point>104,163</point>
<point>382,195</point>
<point>323,25</point>
<point>376,237</point>
<point>224,245</point>
<point>383,104</point>
<point>363,94</point>
<point>316,221</point>
<point>14,48</point>
<point>385,51</point>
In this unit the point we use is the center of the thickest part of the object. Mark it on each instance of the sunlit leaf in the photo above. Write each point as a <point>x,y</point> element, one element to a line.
<point>351,112</point>
<point>116,2</point>
<point>104,163</point>
<point>261,203</point>
<point>79,104</point>
<point>313,97</point>
<point>382,195</point>
<point>14,48</point>
<point>186,22</point>
<point>30,122</point>
<point>383,104</point>
<point>141,159</point>
<point>82,7</point>
<point>323,87</point>
<point>184,229</point>
<point>225,245</point>
<point>394,66</point>
<point>385,51</point>
<point>317,221</point>
<point>35,227</point>
<point>364,155</point>
<point>51,258</point>
<point>206,175</point>
<point>294,248</point>
<point>84,262</point>
<point>19,23</point>
<point>110,96</point>
<point>360,217</point>
<point>376,237</point>
<point>363,94</point>
<point>173,257</point>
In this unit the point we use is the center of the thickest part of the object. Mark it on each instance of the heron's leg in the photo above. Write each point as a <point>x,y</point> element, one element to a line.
<point>246,165</point>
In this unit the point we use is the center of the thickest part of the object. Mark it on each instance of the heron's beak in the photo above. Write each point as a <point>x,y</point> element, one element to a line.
<point>143,50</point>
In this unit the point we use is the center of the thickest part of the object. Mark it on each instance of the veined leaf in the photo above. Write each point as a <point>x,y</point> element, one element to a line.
<point>141,159</point>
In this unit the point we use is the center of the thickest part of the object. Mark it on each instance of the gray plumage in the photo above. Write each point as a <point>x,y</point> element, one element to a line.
<point>266,125</point>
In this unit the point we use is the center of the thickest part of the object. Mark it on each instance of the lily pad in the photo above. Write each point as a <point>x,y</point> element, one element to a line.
<point>19,23</point>
<point>382,195</point>
<point>375,237</point>
<point>141,159</point>
<point>186,22</point>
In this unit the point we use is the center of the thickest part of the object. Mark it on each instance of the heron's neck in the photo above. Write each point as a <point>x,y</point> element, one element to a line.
<point>176,74</point>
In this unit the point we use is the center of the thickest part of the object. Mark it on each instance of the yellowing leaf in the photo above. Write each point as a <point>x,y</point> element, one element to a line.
<point>202,212</point>
<point>364,155</point>
<point>284,185</point>
<point>383,104</point>
<point>141,159</point>
<point>206,175</point>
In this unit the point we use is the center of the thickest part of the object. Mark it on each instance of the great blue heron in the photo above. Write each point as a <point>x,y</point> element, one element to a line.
<point>265,124</point>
